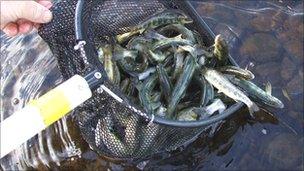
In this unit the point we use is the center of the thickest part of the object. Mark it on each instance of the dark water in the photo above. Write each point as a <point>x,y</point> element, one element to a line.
<point>267,36</point>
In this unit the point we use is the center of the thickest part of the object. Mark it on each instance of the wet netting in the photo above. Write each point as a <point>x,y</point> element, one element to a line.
<point>109,127</point>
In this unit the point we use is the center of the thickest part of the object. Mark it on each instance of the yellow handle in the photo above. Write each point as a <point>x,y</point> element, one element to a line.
<point>42,112</point>
<point>58,102</point>
<point>52,106</point>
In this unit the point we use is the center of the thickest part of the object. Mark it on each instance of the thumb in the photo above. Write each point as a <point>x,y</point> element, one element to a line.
<point>33,11</point>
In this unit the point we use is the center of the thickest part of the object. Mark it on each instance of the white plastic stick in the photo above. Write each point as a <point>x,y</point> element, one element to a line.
<point>42,112</point>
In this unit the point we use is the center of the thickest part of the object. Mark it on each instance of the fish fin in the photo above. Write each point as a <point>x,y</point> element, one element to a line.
<point>253,108</point>
<point>155,105</point>
<point>189,49</point>
<point>139,86</point>
<point>178,36</point>
<point>174,47</point>
<point>281,105</point>
<point>141,31</point>
<point>285,93</point>
<point>217,37</point>
<point>268,88</point>
<point>151,34</point>
<point>122,37</point>
<point>249,65</point>
<point>151,53</point>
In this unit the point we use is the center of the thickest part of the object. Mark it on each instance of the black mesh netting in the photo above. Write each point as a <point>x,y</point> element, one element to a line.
<point>109,127</point>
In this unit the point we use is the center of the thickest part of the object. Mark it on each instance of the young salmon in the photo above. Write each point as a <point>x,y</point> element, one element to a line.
<point>178,40</point>
<point>159,19</point>
<point>224,85</point>
<point>182,83</point>
<point>110,65</point>
<point>181,29</point>
<point>187,115</point>
<point>145,90</point>
<point>257,93</point>
<point>164,81</point>
<point>237,71</point>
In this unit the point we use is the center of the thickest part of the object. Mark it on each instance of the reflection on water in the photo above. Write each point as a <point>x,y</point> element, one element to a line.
<point>28,70</point>
<point>267,35</point>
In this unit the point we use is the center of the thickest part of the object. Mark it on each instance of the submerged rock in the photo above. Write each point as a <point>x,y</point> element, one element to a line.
<point>224,16</point>
<point>296,115</point>
<point>295,49</point>
<point>205,9</point>
<point>243,19</point>
<point>268,20</point>
<point>291,29</point>
<point>278,19</point>
<point>285,151</point>
<point>295,85</point>
<point>261,47</point>
<point>288,69</point>
<point>261,23</point>
<point>268,72</point>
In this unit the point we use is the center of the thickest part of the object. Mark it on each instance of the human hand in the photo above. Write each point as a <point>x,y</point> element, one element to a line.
<point>22,16</point>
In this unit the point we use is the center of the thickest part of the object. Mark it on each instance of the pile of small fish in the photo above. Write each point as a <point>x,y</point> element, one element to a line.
<point>166,68</point>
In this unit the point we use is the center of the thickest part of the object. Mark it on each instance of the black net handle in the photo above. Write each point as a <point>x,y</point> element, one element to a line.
<point>81,36</point>
<point>78,21</point>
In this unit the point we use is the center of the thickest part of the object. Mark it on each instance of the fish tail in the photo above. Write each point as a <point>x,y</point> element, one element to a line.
<point>253,108</point>
<point>123,37</point>
<point>281,105</point>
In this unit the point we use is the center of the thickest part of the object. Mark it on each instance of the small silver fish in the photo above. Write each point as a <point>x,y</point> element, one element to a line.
<point>189,49</point>
<point>178,40</point>
<point>151,34</point>
<point>121,53</point>
<point>146,73</point>
<point>178,62</point>
<point>156,56</point>
<point>236,71</point>
<point>257,93</point>
<point>182,83</point>
<point>224,85</point>
<point>164,82</point>
<point>110,65</point>
<point>145,91</point>
<point>159,19</point>
<point>186,33</point>
<point>202,61</point>
<point>187,115</point>
<point>216,105</point>
<point>161,111</point>
<point>138,43</point>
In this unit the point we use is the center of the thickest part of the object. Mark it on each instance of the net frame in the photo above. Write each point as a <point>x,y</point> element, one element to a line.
<point>169,134</point>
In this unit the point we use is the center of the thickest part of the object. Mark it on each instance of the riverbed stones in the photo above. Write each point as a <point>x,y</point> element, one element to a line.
<point>292,29</point>
<point>295,49</point>
<point>288,68</point>
<point>205,9</point>
<point>295,85</point>
<point>261,47</point>
<point>284,151</point>
<point>261,23</point>
<point>268,72</point>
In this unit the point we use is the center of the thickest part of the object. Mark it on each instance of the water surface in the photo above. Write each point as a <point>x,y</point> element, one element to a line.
<point>266,36</point>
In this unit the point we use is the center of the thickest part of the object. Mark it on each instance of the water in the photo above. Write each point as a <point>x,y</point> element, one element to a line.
<point>265,36</point>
